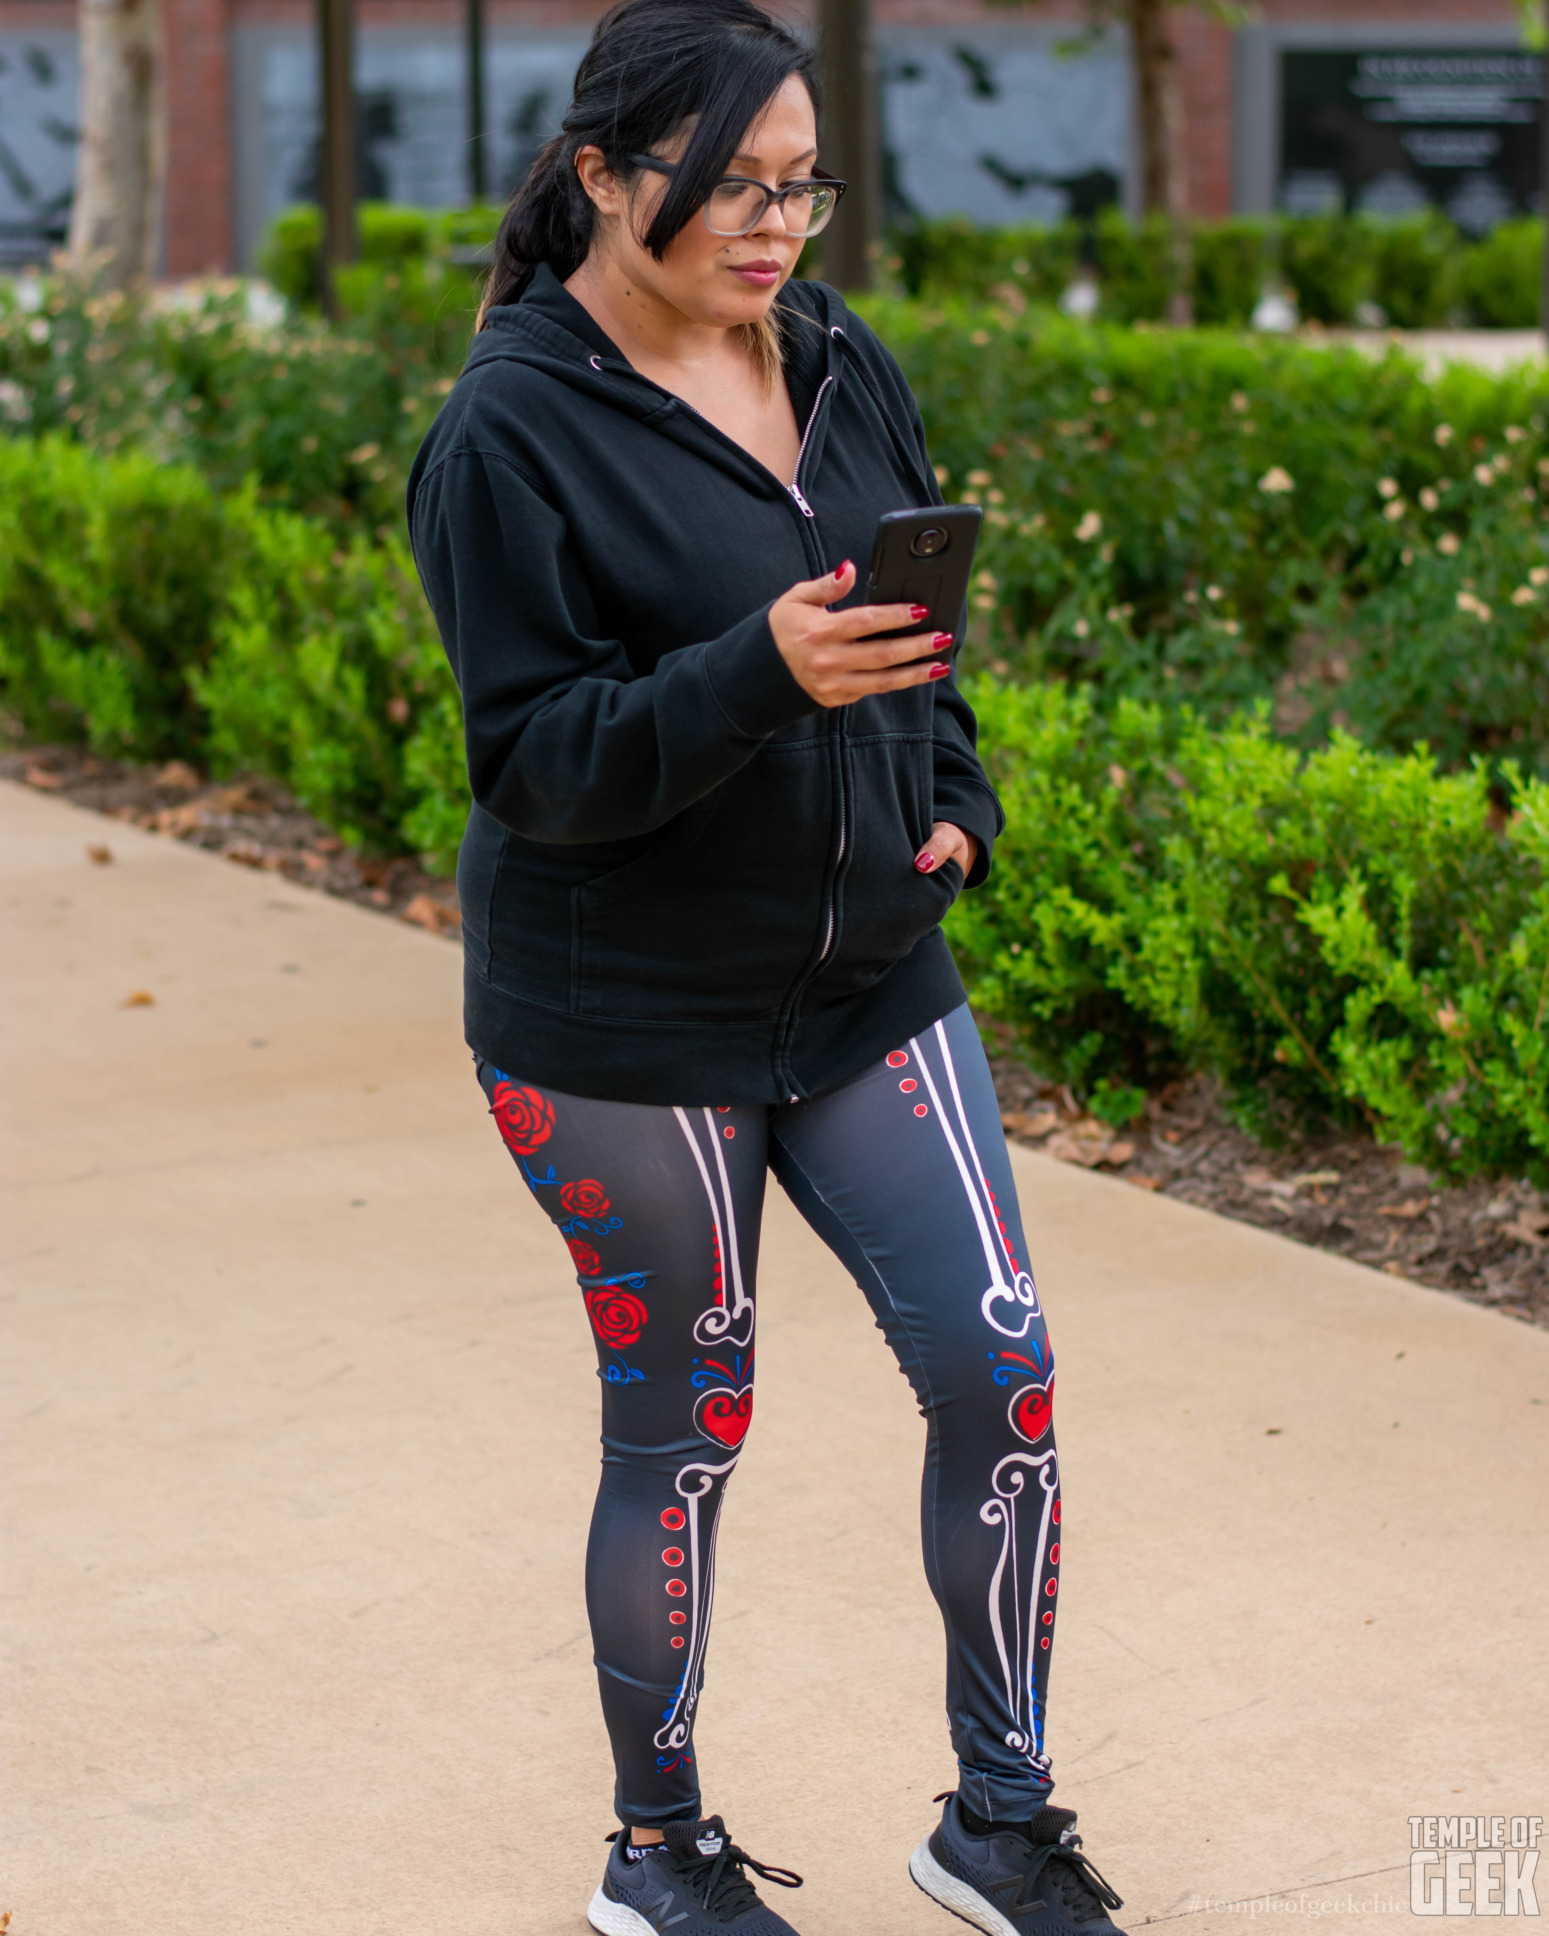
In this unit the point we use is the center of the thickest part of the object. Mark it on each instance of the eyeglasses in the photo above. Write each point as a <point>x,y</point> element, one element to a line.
<point>737,203</point>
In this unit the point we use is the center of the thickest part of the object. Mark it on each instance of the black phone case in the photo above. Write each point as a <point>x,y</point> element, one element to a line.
<point>940,581</point>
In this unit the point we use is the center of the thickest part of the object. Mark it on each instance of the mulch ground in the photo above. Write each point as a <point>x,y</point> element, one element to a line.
<point>1485,1241</point>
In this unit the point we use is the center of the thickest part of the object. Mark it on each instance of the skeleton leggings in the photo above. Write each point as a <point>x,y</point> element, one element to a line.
<point>903,1172</point>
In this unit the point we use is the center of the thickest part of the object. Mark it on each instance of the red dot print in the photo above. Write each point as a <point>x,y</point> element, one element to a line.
<point>1054,1554</point>
<point>677,1589</point>
<point>897,1059</point>
<point>1044,1642</point>
<point>1049,1586</point>
<point>678,1616</point>
<point>679,1641</point>
<point>674,1520</point>
<point>728,1132</point>
<point>673,1556</point>
<point>1056,1513</point>
<point>723,1109</point>
<point>908,1085</point>
<point>921,1109</point>
<point>1048,1619</point>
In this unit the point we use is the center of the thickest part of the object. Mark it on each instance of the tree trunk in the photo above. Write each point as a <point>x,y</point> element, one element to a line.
<point>336,78</point>
<point>1159,126</point>
<point>852,141</point>
<point>115,223</point>
<point>1543,179</point>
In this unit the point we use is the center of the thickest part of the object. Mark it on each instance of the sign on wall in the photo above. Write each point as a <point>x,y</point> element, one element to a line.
<point>1391,131</point>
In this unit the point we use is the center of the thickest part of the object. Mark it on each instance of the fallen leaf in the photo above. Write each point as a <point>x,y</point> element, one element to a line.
<point>178,773</point>
<point>315,863</point>
<point>1118,1154</point>
<point>379,897</point>
<point>1037,1122</point>
<point>42,779</point>
<point>1273,1431</point>
<point>1145,1182</point>
<point>1074,1149</point>
<point>1312,1179</point>
<point>1405,1210</point>
<point>99,853</point>
<point>138,998</point>
<point>178,820</point>
<point>234,799</point>
<point>1261,1179</point>
<point>429,913</point>
<point>1523,1234</point>
<point>244,853</point>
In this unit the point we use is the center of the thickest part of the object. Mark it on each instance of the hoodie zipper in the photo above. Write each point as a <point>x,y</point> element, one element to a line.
<point>798,497</point>
<point>831,915</point>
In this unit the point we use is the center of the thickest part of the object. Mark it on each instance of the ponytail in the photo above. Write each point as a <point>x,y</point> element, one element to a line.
<point>550,219</point>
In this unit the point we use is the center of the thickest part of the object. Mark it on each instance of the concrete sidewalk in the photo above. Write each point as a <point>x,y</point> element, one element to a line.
<point>300,1408</point>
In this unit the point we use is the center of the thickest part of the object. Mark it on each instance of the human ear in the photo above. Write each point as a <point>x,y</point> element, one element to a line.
<point>598,181</point>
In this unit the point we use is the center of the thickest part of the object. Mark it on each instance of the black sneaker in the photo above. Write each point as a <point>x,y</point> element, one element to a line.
<point>1031,1881</point>
<point>692,1884</point>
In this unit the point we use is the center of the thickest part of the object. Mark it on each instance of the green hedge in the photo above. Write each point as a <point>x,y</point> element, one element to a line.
<point>319,420</point>
<point>145,616</point>
<point>1419,272</point>
<point>1219,519</point>
<point>1337,603</point>
<point>1344,933</point>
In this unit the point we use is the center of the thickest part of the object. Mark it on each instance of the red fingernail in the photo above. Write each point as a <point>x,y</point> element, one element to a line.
<point>840,570</point>
<point>938,672</point>
<point>924,862</point>
<point>942,639</point>
<point>919,611</point>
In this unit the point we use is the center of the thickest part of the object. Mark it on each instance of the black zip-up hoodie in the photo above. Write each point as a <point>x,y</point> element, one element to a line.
<point>682,880</point>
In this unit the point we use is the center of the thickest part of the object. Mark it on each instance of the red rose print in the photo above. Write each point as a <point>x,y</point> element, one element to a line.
<point>587,1262</point>
<point>585,1198</point>
<point>525,1117</point>
<point>618,1317</point>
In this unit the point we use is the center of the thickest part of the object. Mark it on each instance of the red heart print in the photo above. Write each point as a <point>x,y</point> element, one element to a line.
<point>1032,1411</point>
<point>724,1415</point>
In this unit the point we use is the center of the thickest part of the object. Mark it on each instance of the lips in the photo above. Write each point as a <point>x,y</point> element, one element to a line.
<point>763,273</point>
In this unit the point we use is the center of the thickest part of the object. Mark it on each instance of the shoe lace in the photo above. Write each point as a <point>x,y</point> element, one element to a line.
<point>719,1881</point>
<point>1083,1890</point>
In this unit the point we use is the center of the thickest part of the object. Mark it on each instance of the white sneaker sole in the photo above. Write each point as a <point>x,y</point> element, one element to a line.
<point>617,1918</point>
<point>960,1897</point>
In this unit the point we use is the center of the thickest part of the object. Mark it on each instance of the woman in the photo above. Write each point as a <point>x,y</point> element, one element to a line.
<point>717,823</point>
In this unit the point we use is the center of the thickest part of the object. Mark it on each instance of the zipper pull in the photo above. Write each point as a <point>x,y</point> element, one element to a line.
<point>801,503</point>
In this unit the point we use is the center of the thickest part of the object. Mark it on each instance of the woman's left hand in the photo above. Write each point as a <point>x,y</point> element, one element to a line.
<point>947,843</point>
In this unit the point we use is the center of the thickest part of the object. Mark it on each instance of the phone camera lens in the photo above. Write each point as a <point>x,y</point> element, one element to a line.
<point>930,541</point>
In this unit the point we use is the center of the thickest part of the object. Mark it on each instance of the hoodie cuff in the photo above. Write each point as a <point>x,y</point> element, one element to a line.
<point>976,811</point>
<point>751,683</point>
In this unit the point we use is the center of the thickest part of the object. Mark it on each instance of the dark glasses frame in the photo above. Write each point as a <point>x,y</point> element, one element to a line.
<point>819,178</point>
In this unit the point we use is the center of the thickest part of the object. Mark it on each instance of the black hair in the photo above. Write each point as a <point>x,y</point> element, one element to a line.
<point>650,66</point>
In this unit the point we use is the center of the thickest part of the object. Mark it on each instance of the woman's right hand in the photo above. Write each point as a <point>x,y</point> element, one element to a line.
<point>819,646</point>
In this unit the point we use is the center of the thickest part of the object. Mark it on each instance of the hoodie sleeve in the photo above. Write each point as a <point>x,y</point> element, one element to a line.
<point>566,741</point>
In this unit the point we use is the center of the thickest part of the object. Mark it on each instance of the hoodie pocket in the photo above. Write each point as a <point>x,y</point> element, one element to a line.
<point>716,919</point>
<point>887,906</point>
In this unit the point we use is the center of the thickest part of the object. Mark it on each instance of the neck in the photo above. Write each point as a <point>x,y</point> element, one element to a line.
<point>644,325</point>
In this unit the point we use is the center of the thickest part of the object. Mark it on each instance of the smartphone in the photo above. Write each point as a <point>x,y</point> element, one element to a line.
<point>924,558</point>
